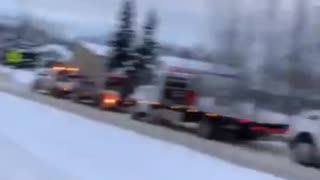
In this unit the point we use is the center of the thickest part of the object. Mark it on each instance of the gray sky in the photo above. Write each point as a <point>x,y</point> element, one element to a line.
<point>181,21</point>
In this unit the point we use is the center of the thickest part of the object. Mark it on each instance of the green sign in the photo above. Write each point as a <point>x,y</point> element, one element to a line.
<point>14,57</point>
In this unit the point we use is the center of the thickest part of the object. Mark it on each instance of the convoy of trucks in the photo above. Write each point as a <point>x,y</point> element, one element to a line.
<point>214,98</point>
<point>181,91</point>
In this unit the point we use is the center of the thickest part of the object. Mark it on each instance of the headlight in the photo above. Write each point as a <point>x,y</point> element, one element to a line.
<point>110,99</point>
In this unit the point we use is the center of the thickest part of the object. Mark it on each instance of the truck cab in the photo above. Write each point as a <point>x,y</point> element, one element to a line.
<point>169,97</point>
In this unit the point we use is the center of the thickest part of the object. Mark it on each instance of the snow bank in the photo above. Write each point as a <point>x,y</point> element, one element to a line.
<point>18,164</point>
<point>170,61</point>
<point>23,77</point>
<point>5,69</point>
<point>91,150</point>
<point>63,51</point>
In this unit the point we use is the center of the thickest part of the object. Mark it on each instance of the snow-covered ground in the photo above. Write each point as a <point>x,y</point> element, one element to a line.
<point>17,164</point>
<point>90,150</point>
<point>5,69</point>
<point>25,77</point>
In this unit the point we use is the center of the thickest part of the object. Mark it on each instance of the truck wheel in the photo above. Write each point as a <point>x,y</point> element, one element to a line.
<point>75,98</point>
<point>302,150</point>
<point>154,117</point>
<point>206,128</point>
<point>135,116</point>
<point>55,93</point>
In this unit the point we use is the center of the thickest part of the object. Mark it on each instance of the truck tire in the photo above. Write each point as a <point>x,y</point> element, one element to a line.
<point>75,98</point>
<point>154,117</point>
<point>302,150</point>
<point>56,93</point>
<point>206,128</point>
<point>138,115</point>
<point>135,116</point>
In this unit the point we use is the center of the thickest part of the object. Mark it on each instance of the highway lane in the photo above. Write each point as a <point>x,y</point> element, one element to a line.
<point>265,156</point>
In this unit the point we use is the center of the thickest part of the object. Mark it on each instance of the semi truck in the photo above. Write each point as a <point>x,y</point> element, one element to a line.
<point>212,96</point>
<point>105,88</point>
<point>111,94</point>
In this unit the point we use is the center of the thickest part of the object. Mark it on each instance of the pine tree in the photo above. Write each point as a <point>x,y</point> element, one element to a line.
<point>121,42</point>
<point>147,50</point>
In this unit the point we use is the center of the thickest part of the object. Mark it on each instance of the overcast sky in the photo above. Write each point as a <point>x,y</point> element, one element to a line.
<point>181,21</point>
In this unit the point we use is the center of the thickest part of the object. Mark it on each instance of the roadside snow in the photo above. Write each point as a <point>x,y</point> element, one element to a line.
<point>63,51</point>
<point>23,76</point>
<point>17,164</point>
<point>91,150</point>
<point>5,69</point>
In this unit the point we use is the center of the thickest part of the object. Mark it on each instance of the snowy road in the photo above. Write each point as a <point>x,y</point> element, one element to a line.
<point>268,157</point>
<point>87,149</point>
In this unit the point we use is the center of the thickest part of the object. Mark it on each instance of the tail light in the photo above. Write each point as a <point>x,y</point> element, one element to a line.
<point>269,130</point>
<point>244,121</point>
<point>191,97</point>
